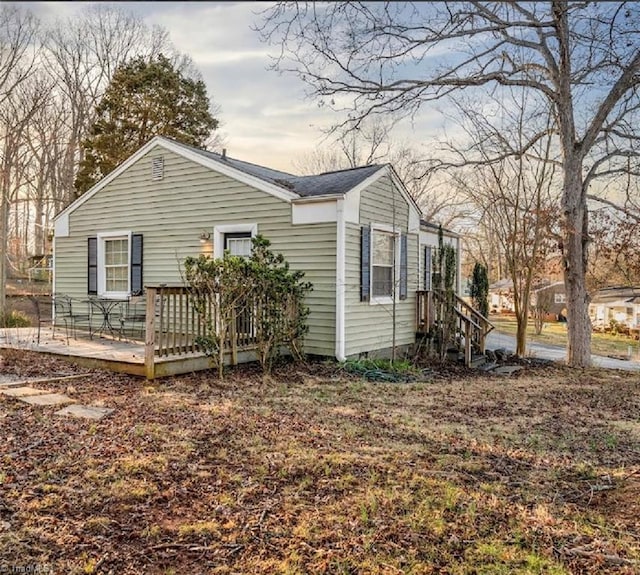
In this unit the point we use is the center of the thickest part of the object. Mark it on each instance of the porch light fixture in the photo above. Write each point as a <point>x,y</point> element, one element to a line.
<point>205,237</point>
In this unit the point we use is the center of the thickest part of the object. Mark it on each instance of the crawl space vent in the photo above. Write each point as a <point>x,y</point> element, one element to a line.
<point>157,168</point>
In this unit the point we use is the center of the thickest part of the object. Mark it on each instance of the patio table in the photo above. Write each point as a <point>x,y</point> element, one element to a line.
<point>105,307</point>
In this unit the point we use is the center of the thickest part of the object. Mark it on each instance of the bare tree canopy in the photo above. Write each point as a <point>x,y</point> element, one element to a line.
<point>82,54</point>
<point>581,58</point>
<point>52,77</point>
<point>18,31</point>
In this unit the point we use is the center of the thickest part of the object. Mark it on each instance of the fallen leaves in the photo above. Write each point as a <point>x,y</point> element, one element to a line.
<point>317,472</point>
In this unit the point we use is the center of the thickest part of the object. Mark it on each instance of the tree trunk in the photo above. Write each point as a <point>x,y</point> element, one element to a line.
<point>4,244</point>
<point>575,245</point>
<point>522,320</point>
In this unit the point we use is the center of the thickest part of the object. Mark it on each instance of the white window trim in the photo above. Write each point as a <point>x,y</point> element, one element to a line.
<point>219,231</point>
<point>385,300</point>
<point>102,280</point>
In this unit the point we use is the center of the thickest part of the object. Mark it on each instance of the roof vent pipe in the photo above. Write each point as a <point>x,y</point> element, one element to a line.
<point>224,153</point>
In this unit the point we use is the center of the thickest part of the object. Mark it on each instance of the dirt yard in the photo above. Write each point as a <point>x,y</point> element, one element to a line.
<point>316,471</point>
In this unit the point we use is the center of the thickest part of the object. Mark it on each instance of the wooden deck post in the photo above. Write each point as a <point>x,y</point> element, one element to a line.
<point>150,334</point>
<point>467,344</point>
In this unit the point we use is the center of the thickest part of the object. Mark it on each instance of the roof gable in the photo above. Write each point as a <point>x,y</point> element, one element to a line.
<point>280,184</point>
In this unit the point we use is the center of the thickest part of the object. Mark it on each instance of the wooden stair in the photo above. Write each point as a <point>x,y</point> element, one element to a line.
<point>471,327</point>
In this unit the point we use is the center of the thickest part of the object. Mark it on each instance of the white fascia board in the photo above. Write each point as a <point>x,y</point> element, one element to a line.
<point>190,155</point>
<point>430,238</point>
<point>352,206</point>
<point>61,226</point>
<point>320,211</point>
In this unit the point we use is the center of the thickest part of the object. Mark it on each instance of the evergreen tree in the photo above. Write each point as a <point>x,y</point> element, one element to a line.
<point>145,98</point>
<point>480,289</point>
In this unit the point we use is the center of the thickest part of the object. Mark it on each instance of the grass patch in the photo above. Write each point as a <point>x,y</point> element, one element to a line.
<point>14,318</point>
<point>320,471</point>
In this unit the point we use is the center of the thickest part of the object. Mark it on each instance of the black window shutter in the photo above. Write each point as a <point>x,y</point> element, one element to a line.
<point>427,268</point>
<point>136,264</point>
<point>404,272</point>
<point>365,263</point>
<point>92,267</point>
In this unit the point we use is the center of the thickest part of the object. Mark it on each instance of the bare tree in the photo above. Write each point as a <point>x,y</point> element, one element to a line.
<point>514,194</point>
<point>369,144</point>
<point>582,59</point>
<point>82,54</point>
<point>613,256</point>
<point>17,54</point>
<point>44,139</point>
<point>372,143</point>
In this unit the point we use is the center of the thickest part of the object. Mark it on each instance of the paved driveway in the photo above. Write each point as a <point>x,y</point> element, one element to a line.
<point>496,340</point>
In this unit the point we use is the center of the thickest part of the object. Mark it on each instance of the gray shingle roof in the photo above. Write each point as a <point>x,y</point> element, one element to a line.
<point>328,183</point>
<point>611,294</point>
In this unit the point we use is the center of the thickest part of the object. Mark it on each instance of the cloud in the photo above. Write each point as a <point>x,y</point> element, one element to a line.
<point>266,118</point>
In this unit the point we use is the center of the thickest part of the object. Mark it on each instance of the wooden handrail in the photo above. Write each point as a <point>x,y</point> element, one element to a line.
<point>473,327</point>
<point>174,325</point>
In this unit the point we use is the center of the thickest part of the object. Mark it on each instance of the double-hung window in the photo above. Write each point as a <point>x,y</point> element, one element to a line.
<point>382,263</point>
<point>114,256</point>
<point>115,264</point>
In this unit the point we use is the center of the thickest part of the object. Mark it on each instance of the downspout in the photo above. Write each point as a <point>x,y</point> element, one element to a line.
<point>459,267</point>
<point>340,280</point>
<point>53,275</point>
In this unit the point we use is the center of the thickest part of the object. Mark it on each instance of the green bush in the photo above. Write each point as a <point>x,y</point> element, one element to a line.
<point>262,287</point>
<point>14,319</point>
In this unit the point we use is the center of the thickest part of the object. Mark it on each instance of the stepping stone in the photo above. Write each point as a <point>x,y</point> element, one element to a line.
<point>22,391</point>
<point>87,411</point>
<point>507,369</point>
<point>488,366</point>
<point>47,399</point>
<point>11,384</point>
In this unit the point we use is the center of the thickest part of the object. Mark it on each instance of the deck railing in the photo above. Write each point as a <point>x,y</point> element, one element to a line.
<point>173,325</point>
<point>472,327</point>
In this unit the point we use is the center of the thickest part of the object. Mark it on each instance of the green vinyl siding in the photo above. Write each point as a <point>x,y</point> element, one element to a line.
<point>369,327</point>
<point>172,212</point>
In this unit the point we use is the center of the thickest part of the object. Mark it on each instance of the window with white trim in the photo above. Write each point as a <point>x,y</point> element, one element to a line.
<point>233,237</point>
<point>114,264</point>
<point>383,245</point>
<point>384,263</point>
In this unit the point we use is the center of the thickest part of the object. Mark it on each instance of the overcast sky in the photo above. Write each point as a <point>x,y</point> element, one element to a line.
<point>266,118</point>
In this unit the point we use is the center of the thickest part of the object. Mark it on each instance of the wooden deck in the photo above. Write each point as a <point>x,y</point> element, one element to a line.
<point>168,324</point>
<point>101,352</point>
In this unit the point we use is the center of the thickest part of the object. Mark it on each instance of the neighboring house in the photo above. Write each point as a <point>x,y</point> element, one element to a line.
<point>621,304</point>
<point>501,296</point>
<point>552,298</point>
<point>356,234</point>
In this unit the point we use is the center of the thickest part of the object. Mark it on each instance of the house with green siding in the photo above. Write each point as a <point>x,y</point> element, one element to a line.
<point>357,234</point>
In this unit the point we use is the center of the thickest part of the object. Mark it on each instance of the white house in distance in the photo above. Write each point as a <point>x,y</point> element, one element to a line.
<point>357,235</point>
<point>621,304</point>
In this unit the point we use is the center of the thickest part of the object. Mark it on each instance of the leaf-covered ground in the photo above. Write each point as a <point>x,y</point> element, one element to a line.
<point>316,471</point>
